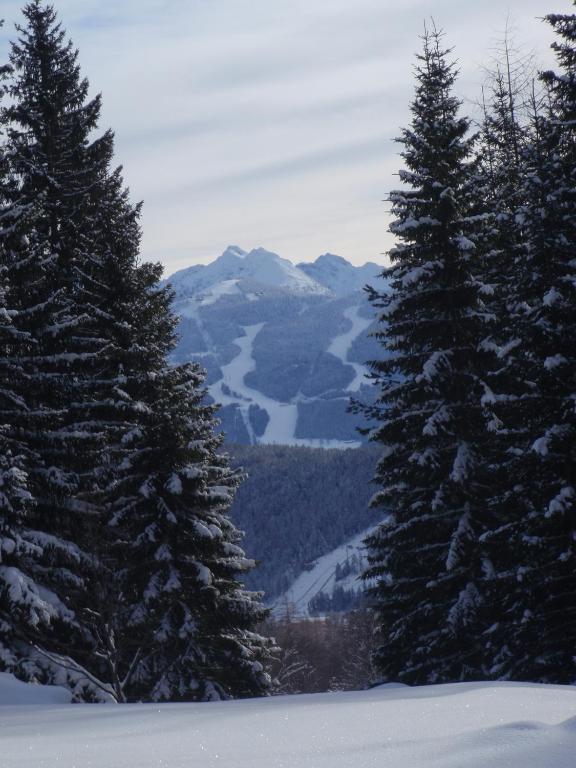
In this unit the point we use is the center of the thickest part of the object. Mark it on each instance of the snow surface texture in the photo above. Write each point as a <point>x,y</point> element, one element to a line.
<point>315,319</point>
<point>15,693</point>
<point>322,578</point>
<point>467,725</point>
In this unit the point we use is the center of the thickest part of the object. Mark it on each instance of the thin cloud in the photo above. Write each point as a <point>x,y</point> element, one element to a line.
<point>332,157</point>
<point>253,119</point>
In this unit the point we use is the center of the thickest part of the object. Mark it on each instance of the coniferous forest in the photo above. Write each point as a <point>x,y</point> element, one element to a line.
<point>475,568</point>
<point>122,571</point>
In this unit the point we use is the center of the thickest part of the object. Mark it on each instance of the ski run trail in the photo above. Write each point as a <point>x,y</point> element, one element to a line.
<point>232,390</point>
<point>341,345</point>
<point>321,577</point>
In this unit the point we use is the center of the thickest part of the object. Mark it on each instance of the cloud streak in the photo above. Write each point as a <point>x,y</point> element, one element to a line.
<point>266,121</point>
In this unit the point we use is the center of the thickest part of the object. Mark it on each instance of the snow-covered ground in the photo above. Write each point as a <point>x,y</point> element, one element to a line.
<point>476,725</point>
<point>321,577</point>
<point>15,693</point>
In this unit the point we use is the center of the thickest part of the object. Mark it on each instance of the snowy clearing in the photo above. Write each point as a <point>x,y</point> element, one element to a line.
<point>478,725</point>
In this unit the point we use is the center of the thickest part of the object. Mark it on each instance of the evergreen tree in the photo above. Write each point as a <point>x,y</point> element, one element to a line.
<point>193,619</point>
<point>54,168</point>
<point>112,428</point>
<point>534,554</point>
<point>182,625</point>
<point>502,194</point>
<point>433,472</point>
<point>162,632</point>
<point>39,566</point>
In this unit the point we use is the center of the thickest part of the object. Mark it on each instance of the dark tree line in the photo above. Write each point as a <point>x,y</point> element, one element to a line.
<point>119,566</point>
<point>475,568</point>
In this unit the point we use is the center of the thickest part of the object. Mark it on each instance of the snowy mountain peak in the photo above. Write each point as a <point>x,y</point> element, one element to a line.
<point>329,275</point>
<point>339,276</point>
<point>259,266</point>
<point>269,269</point>
<point>332,259</point>
<point>262,253</point>
<point>235,251</point>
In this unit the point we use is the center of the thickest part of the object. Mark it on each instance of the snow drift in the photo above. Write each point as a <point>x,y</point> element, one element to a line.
<point>451,726</point>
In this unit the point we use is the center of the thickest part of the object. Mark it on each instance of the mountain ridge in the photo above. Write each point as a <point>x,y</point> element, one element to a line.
<point>284,345</point>
<point>328,272</point>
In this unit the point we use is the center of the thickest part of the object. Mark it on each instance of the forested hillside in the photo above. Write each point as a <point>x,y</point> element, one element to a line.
<point>298,504</point>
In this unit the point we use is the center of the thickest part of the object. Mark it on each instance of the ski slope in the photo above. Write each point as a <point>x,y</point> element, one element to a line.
<point>321,578</point>
<point>466,725</point>
<point>232,390</point>
<point>341,345</point>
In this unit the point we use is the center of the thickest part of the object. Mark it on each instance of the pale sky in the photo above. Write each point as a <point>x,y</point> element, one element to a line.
<point>271,122</point>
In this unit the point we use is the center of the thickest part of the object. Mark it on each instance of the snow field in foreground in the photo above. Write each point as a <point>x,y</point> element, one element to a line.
<point>478,725</point>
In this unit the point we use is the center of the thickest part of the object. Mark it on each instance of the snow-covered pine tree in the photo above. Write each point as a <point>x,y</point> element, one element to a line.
<point>141,421</point>
<point>184,627</point>
<point>534,555</point>
<point>162,632</point>
<point>40,566</point>
<point>433,472</point>
<point>184,601</point>
<point>501,170</point>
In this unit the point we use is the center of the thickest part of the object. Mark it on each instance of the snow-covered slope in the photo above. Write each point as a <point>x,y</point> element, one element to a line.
<point>16,693</point>
<point>284,345</point>
<point>258,266</point>
<point>467,725</point>
<point>338,570</point>
<point>338,275</point>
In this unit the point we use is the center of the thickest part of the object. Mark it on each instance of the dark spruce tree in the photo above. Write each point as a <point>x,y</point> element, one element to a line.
<point>501,150</point>
<point>187,622</point>
<point>433,425</point>
<point>40,564</point>
<point>55,169</point>
<point>172,619</point>
<point>534,555</point>
<point>110,425</point>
